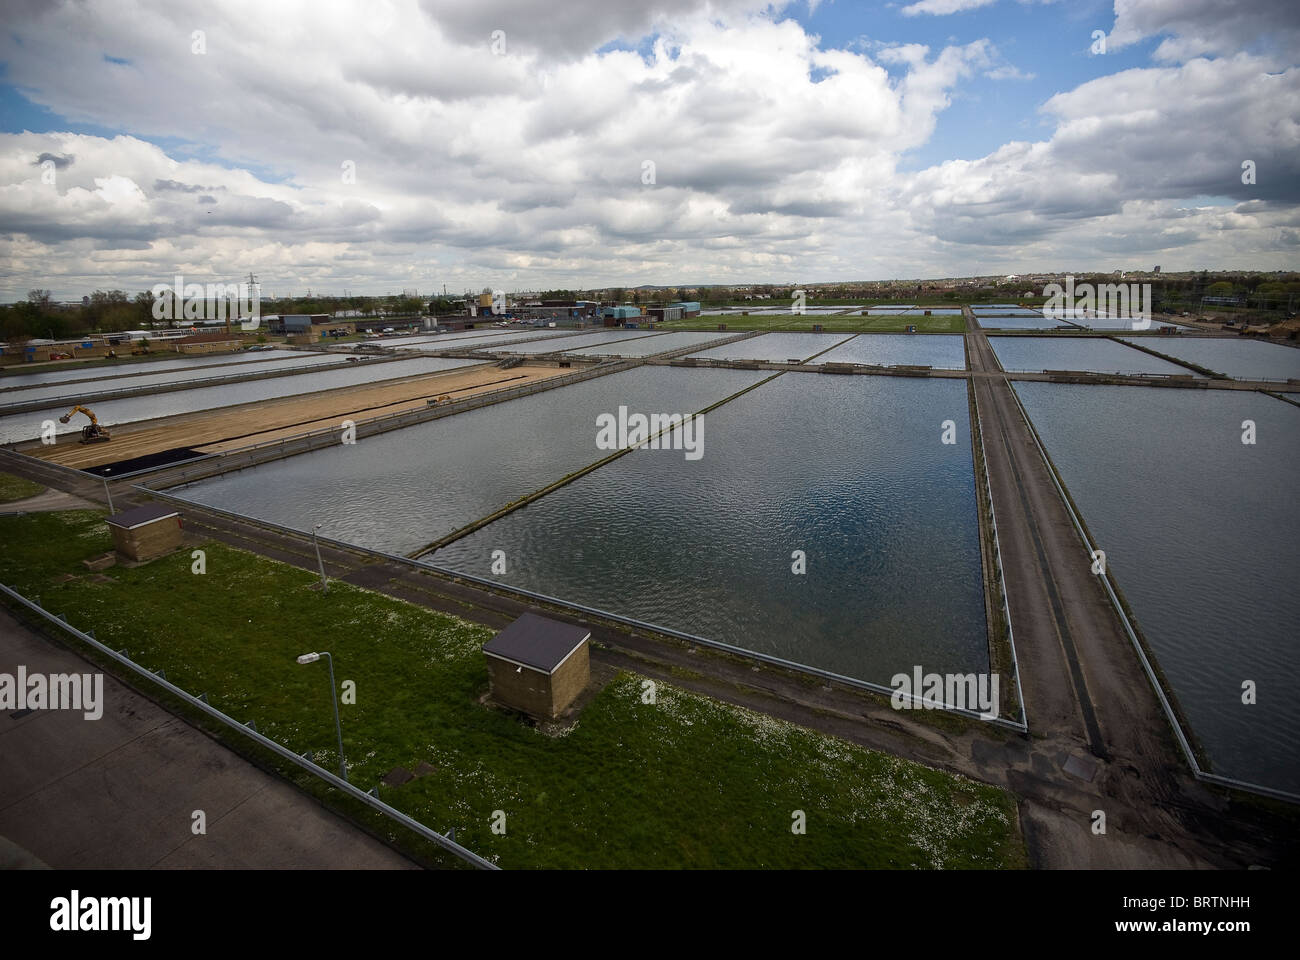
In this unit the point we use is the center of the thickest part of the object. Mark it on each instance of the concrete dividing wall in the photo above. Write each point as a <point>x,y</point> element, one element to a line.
<point>173,386</point>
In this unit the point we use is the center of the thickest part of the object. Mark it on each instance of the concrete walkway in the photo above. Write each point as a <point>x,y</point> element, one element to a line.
<point>1100,739</point>
<point>48,501</point>
<point>120,791</point>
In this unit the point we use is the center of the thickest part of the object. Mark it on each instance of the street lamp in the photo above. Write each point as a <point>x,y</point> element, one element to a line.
<point>107,471</point>
<point>324,583</point>
<point>312,658</point>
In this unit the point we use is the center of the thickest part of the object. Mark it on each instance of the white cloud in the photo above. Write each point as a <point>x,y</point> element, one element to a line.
<point>774,157</point>
<point>1008,71</point>
<point>1195,27</point>
<point>941,8</point>
<point>1139,140</point>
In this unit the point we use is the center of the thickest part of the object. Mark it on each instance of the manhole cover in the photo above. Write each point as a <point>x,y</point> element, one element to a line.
<point>398,776</point>
<point>1081,768</point>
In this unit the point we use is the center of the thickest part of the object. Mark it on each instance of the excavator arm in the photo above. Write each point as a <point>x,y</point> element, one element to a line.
<point>78,409</point>
<point>92,432</point>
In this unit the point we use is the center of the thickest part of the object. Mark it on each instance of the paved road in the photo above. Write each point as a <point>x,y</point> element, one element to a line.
<point>47,501</point>
<point>120,791</point>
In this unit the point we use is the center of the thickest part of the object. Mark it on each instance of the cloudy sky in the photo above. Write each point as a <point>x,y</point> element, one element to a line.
<point>394,144</point>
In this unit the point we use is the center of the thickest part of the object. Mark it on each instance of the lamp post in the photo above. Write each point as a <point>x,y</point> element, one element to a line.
<point>312,658</point>
<point>324,583</point>
<point>107,493</point>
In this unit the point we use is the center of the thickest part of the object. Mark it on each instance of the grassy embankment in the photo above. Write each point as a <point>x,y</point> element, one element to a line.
<point>830,324</point>
<point>686,781</point>
<point>16,488</point>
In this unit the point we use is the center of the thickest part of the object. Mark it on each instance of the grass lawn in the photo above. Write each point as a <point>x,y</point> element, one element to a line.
<point>16,488</point>
<point>686,781</point>
<point>831,324</point>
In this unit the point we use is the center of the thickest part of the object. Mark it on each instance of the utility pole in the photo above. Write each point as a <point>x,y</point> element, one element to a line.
<point>252,293</point>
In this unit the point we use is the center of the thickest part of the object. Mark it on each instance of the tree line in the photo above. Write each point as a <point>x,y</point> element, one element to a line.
<point>112,311</point>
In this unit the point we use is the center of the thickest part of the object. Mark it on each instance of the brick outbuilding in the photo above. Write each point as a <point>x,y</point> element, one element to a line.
<point>538,665</point>
<point>143,533</point>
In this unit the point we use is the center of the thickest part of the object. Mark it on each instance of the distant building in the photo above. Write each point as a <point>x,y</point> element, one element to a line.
<point>309,327</point>
<point>616,316</point>
<point>661,314</point>
<point>479,306</point>
<point>453,321</point>
<point>291,323</point>
<point>690,308</point>
<point>206,343</point>
<point>558,311</point>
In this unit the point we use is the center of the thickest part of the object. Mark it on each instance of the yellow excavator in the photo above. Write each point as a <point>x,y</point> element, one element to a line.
<point>92,432</point>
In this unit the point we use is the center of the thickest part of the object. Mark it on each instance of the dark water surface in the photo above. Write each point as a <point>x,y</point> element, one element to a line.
<point>1201,534</point>
<point>399,491</point>
<point>849,470</point>
<point>1241,359</point>
<point>1091,354</point>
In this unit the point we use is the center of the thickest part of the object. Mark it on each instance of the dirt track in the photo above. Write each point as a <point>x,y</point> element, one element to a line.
<point>211,431</point>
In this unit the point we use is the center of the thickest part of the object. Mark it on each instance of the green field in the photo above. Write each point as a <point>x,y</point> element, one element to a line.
<point>16,488</point>
<point>831,324</point>
<point>685,781</point>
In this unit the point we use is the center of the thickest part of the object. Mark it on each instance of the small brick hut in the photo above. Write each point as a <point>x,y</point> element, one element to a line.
<point>538,665</point>
<point>143,533</point>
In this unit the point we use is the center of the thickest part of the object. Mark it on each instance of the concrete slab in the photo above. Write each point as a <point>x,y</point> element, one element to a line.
<point>1081,767</point>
